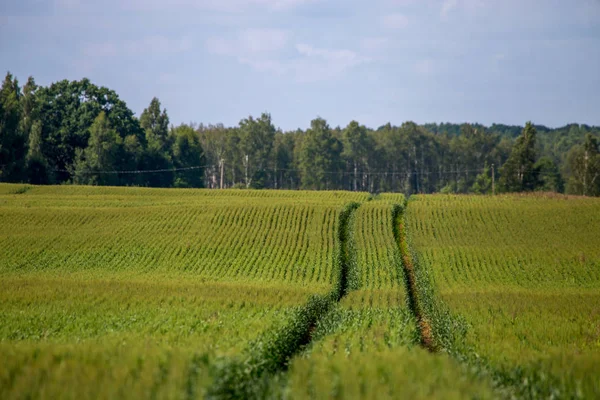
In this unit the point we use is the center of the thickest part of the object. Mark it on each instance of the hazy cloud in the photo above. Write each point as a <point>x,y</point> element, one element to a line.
<point>447,6</point>
<point>155,44</point>
<point>234,6</point>
<point>374,44</point>
<point>264,51</point>
<point>470,6</point>
<point>394,21</point>
<point>248,42</point>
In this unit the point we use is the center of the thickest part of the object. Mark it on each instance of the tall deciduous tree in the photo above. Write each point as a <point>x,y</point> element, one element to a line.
<point>257,138</point>
<point>483,182</point>
<point>187,152</point>
<point>155,123</point>
<point>518,173</point>
<point>320,157</point>
<point>100,156</point>
<point>12,140</point>
<point>29,109</point>
<point>37,170</point>
<point>67,110</point>
<point>583,162</point>
<point>357,148</point>
<point>549,177</point>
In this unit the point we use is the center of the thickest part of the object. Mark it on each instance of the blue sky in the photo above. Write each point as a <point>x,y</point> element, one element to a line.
<point>374,61</point>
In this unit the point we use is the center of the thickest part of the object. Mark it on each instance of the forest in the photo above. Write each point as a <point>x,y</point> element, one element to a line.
<point>75,132</point>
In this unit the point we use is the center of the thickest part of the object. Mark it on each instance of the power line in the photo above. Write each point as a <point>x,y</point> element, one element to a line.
<point>434,172</point>
<point>145,171</point>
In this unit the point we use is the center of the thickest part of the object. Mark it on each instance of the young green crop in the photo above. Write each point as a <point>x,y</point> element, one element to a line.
<point>132,292</point>
<point>367,346</point>
<point>524,271</point>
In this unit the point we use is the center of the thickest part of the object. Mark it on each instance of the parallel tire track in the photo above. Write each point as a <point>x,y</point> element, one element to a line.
<point>247,377</point>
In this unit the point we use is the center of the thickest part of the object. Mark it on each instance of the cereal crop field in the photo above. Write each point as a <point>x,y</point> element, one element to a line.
<point>188,293</point>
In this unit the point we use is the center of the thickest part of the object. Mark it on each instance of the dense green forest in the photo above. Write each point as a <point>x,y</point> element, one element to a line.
<point>76,132</point>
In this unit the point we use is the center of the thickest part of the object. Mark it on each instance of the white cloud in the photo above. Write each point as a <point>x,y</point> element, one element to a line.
<point>265,65</point>
<point>401,2</point>
<point>470,6</point>
<point>374,44</point>
<point>447,6</point>
<point>233,6</point>
<point>394,21</point>
<point>316,64</point>
<point>263,49</point>
<point>263,40</point>
<point>337,57</point>
<point>220,46</point>
<point>248,42</point>
<point>155,44</point>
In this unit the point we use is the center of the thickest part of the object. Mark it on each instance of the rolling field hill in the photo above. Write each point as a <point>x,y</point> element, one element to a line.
<point>172,293</point>
<point>112,292</point>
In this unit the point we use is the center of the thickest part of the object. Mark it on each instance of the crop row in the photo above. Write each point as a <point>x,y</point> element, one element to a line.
<point>110,299</point>
<point>522,242</point>
<point>523,272</point>
<point>64,333</point>
<point>368,345</point>
<point>267,241</point>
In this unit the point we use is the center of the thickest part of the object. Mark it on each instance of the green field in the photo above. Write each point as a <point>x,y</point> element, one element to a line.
<point>174,293</point>
<point>524,271</point>
<point>114,292</point>
<point>367,346</point>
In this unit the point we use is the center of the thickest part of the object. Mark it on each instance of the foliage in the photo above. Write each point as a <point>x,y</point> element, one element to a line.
<point>583,162</point>
<point>67,110</point>
<point>409,158</point>
<point>101,154</point>
<point>320,154</point>
<point>257,137</point>
<point>12,141</point>
<point>549,177</point>
<point>483,182</point>
<point>187,151</point>
<point>518,174</point>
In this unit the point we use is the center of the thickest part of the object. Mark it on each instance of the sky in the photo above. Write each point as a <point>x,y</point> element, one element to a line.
<point>376,61</point>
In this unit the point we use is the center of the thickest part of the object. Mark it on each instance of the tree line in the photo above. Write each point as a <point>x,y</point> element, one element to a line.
<point>77,132</point>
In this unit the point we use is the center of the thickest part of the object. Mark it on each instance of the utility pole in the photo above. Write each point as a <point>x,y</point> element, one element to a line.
<point>457,172</point>
<point>493,181</point>
<point>246,167</point>
<point>222,169</point>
